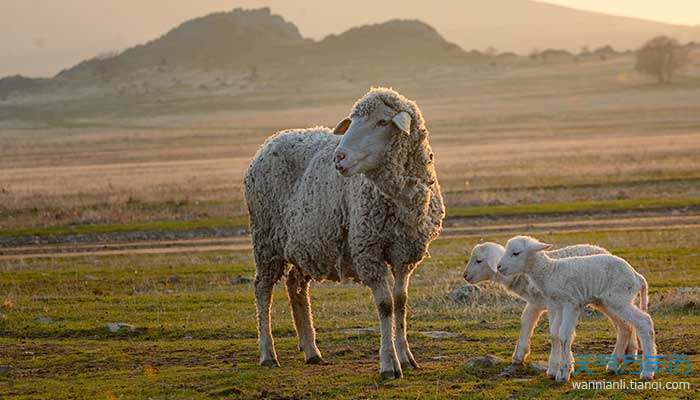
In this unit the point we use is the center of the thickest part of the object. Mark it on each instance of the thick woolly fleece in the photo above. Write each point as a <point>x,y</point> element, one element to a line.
<point>302,212</point>
<point>524,288</point>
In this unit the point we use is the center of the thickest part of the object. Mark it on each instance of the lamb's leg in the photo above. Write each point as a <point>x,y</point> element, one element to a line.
<point>389,365</point>
<point>632,348</point>
<point>567,328</point>
<point>644,326</point>
<point>265,278</point>
<point>528,320</point>
<point>402,278</point>
<point>622,333</point>
<point>555,351</point>
<point>298,292</point>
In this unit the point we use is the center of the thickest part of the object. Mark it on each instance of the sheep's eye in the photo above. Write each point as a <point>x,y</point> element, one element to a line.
<point>382,122</point>
<point>516,253</point>
<point>479,261</point>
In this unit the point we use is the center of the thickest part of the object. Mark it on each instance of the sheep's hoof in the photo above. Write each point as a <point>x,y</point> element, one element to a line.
<point>562,377</point>
<point>611,369</point>
<point>646,375</point>
<point>391,375</point>
<point>410,364</point>
<point>318,360</point>
<point>271,363</point>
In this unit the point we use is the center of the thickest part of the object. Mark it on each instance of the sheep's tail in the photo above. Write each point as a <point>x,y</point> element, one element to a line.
<point>644,294</point>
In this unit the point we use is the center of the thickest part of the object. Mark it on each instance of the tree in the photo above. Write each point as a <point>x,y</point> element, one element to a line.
<point>661,57</point>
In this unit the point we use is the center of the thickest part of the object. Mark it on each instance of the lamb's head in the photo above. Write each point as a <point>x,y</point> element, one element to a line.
<point>377,123</point>
<point>483,262</point>
<point>518,254</point>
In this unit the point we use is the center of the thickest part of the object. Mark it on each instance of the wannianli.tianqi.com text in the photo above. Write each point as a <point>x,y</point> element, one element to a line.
<point>630,384</point>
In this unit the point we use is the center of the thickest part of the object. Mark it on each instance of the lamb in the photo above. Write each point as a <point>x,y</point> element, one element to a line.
<point>568,284</point>
<point>328,207</point>
<point>482,267</point>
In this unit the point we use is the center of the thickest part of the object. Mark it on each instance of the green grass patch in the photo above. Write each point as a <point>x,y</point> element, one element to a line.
<point>195,329</point>
<point>178,225</point>
<point>571,207</point>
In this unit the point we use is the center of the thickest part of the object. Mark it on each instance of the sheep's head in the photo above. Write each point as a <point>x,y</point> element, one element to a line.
<point>519,250</point>
<point>377,122</point>
<point>483,262</point>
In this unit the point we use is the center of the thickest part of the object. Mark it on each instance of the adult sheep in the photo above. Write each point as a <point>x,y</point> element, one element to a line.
<point>328,207</point>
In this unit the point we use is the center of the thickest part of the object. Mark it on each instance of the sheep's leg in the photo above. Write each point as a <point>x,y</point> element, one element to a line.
<point>632,348</point>
<point>622,333</point>
<point>528,320</point>
<point>555,351</point>
<point>644,326</point>
<point>298,293</point>
<point>401,281</point>
<point>265,279</point>
<point>567,328</point>
<point>389,365</point>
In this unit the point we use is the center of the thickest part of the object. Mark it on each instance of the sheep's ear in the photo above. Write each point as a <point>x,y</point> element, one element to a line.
<point>402,121</point>
<point>539,246</point>
<point>342,127</point>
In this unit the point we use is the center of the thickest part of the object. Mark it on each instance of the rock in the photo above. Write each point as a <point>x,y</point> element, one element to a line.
<point>188,337</point>
<point>43,320</point>
<point>483,361</point>
<point>115,327</point>
<point>4,369</point>
<point>241,280</point>
<point>89,277</point>
<point>359,331</point>
<point>523,370</point>
<point>173,279</point>
<point>439,334</point>
<point>464,294</point>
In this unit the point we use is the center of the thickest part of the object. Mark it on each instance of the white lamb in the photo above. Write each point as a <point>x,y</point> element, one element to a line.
<point>482,267</point>
<point>569,284</point>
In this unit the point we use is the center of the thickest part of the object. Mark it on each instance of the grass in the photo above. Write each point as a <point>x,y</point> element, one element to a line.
<point>195,334</point>
<point>454,212</point>
<point>542,140</point>
<point>572,207</point>
<point>211,223</point>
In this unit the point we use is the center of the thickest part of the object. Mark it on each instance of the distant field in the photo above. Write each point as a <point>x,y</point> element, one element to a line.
<point>502,135</point>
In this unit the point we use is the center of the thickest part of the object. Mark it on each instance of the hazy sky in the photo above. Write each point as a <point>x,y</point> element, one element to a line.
<point>683,12</point>
<point>41,37</point>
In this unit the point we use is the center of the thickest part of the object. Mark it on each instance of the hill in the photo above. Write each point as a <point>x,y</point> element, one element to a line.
<point>508,25</point>
<point>243,40</point>
<point>218,41</point>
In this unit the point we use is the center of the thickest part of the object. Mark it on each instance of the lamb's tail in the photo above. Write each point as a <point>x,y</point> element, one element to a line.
<point>644,294</point>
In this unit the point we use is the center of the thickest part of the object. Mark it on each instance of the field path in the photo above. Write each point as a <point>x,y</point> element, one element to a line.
<point>465,227</point>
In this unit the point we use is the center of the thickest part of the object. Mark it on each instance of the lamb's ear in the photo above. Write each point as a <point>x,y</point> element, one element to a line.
<point>342,126</point>
<point>402,121</point>
<point>539,246</point>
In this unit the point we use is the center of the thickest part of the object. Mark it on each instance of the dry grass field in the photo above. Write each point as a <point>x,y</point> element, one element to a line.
<point>572,152</point>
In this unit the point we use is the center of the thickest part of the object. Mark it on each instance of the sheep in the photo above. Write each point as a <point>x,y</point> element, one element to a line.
<point>356,202</point>
<point>482,267</point>
<point>568,284</point>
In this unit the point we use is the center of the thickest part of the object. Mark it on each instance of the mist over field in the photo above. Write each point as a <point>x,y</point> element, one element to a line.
<point>125,249</point>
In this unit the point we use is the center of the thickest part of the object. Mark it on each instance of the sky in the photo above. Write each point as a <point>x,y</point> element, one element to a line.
<point>41,37</point>
<point>681,12</point>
